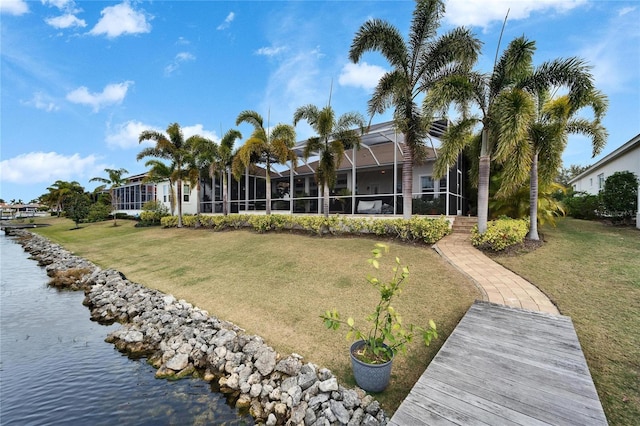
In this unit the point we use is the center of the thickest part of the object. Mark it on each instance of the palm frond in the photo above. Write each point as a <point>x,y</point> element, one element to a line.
<point>379,35</point>
<point>457,137</point>
<point>250,117</point>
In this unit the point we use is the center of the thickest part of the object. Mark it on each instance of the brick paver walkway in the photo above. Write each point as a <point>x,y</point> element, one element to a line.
<point>498,284</point>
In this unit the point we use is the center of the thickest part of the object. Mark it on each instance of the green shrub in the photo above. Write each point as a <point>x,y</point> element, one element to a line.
<point>620,195</point>
<point>98,212</point>
<point>500,234</point>
<point>583,206</point>
<point>417,229</point>
<point>169,221</point>
<point>153,211</point>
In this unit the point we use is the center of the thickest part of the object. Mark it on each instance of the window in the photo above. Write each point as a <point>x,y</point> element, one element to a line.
<point>165,193</point>
<point>186,191</point>
<point>426,183</point>
<point>601,181</point>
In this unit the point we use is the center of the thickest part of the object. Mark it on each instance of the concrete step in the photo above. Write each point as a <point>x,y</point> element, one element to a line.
<point>464,224</point>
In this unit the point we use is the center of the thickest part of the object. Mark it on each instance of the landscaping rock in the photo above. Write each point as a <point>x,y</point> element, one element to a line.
<point>182,340</point>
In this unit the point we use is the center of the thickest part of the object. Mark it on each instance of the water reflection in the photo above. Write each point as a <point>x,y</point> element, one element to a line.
<point>56,369</point>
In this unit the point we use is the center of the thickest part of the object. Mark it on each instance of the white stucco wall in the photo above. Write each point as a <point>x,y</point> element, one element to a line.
<point>588,182</point>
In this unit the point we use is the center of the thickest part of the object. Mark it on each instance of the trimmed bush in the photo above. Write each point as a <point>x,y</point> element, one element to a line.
<point>500,234</point>
<point>583,206</point>
<point>417,229</point>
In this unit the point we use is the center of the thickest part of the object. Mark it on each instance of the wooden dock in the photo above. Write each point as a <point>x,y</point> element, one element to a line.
<point>505,366</point>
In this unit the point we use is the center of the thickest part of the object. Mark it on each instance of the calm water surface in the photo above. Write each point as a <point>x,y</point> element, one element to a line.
<point>56,369</point>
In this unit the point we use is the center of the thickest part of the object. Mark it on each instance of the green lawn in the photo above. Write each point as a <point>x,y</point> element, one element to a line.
<point>592,273</point>
<point>278,285</point>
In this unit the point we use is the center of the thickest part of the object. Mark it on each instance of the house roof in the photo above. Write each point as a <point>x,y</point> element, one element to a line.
<point>631,144</point>
<point>375,150</point>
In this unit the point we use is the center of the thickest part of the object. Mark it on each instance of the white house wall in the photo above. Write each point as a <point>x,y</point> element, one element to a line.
<point>590,181</point>
<point>188,207</point>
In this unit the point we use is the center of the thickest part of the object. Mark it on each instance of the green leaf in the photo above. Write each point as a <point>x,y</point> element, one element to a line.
<point>350,322</point>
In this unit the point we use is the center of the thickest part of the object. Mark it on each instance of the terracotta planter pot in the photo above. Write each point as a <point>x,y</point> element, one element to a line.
<point>370,377</point>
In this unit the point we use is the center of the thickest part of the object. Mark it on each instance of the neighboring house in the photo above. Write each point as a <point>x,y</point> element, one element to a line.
<point>12,211</point>
<point>130,197</point>
<point>625,158</point>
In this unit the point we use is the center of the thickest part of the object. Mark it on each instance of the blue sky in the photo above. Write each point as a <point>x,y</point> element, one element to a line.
<point>81,79</point>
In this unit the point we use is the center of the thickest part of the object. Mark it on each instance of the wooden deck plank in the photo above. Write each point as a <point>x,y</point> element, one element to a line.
<point>504,365</point>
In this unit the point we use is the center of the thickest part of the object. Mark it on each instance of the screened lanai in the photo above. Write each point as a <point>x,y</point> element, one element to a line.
<point>369,181</point>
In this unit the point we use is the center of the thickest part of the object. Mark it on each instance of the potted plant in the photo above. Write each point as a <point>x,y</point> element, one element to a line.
<point>373,351</point>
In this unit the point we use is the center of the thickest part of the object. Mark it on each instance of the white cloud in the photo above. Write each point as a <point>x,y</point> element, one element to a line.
<point>610,50</point>
<point>66,21</point>
<point>483,13</point>
<point>112,94</point>
<point>125,135</point>
<point>295,82</point>
<point>47,167</point>
<point>270,51</point>
<point>43,102</point>
<point>121,19</point>
<point>626,10</point>
<point>14,7</point>
<point>60,4</point>
<point>179,59</point>
<point>227,21</point>
<point>361,75</point>
<point>198,129</point>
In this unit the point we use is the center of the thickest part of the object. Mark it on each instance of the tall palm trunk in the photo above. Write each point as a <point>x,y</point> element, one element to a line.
<point>268,189</point>
<point>114,205</point>
<point>407,181</point>
<point>483,183</point>
<point>325,199</point>
<point>533,200</point>
<point>225,191</point>
<point>179,191</point>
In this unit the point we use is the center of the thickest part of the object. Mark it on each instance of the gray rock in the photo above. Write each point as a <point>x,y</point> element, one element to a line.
<point>357,417</point>
<point>341,413</point>
<point>290,366</point>
<point>373,408</point>
<point>298,413</point>
<point>178,362</point>
<point>288,383</point>
<point>256,390</point>
<point>317,400</point>
<point>305,380</point>
<point>310,417</point>
<point>329,385</point>
<point>369,420</point>
<point>271,420</point>
<point>266,361</point>
<point>349,398</point>
<point>296,395</point>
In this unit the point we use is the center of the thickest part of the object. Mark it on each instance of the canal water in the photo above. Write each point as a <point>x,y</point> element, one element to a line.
<point>56,369</point>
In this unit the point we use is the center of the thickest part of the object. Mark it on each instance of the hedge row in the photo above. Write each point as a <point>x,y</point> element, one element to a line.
<point>425,230</point>
<point>501,233</point>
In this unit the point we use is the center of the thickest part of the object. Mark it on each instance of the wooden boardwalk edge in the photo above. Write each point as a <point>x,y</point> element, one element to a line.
<point>508,366</point>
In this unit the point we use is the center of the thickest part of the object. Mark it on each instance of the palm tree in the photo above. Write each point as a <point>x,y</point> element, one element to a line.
<point>332,140</point>
<point>115,180</point>
<point>225,161</point>
<point>200,150</point>
<point>535,150</point>
<point>485,91</point>
<point>160,172</point>
<point>417,65</point>
<point>175,148</point>
<point>264,147</point>
<point>59,191</point>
